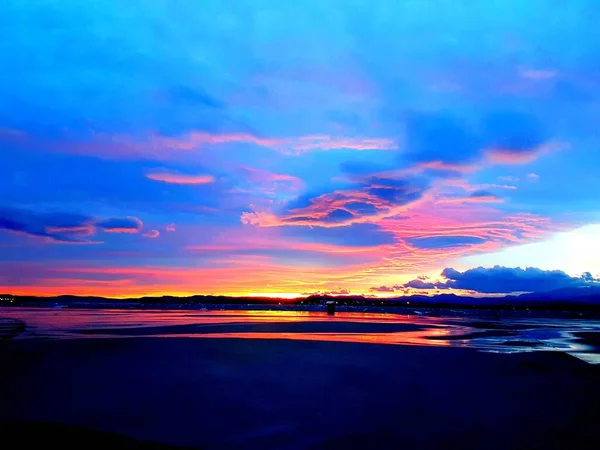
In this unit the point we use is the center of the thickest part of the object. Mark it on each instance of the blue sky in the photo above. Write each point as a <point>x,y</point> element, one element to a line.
<point>284,148</point>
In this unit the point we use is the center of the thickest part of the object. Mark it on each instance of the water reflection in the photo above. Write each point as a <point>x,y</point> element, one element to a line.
<point>420,338</point>
<point>506,335</point>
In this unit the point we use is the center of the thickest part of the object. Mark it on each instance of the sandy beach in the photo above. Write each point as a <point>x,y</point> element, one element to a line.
<point>293,393</point>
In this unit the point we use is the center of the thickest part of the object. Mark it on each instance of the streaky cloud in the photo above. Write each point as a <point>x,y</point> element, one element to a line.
<point>179,178</point>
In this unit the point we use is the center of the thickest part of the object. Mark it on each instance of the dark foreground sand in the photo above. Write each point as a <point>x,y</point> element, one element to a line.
<point>276,394</point>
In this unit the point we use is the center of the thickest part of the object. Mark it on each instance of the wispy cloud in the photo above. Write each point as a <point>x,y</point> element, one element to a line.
<point>538,74</point>
<point>152,234</point>
<point>195,140</point>
<point>506,156</point>
<point>179,178</point>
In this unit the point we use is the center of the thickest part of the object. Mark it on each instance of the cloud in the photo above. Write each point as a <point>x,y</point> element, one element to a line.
<point>170,227</point>
<point>417,283</point>
<point>179,178</point>
<point>62,227</point>
<point>152,234</point>
<point>382,289</point>
<point>440,242</point>
<point>76,230</point>
<point>438,137</point>
<point>537,74</point>
<point>334,292</point>
<point>273,243</point>
<point>306,143</point>
<point>262,181</point>
<point>515,138</point>
<point>508,157</point>
<point>374,199</point>
<point>479,196</point>
<point>420,284</point>
<point>482,194</point>
<point>533,177</point>
<point>170,148</point>
<point>450,143</point>
<point>57,227</point>
<point>500,279</point>
<point>289,145</point>
<point>121,225</point>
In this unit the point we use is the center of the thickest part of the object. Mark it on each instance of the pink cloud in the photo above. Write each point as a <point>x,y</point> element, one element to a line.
<point>84,230</point>
<point>441,165</point>
<point>299,144</point>
<point>431,216</point>
<point>128,224</point>
<point>269,182</point>
<point>152,234</point>
<point>194,139</point>
<point>233,268</point>
<point>305,143</point>
<point>165,148</point>
<point>466,186</point>
<point>121,230</point>
<point>512,157</point>
<point>419,168</point>
<point>475,199</point>
<point>177,178</point>
<point>244,244</point>
<point>170,227</point>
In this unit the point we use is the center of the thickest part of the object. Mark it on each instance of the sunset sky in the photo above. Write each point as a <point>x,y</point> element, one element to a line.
<point>286,147</point>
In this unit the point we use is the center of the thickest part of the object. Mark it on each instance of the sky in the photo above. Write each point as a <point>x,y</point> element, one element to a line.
<point>236,147</point>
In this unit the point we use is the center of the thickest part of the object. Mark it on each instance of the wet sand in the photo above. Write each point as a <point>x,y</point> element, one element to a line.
<point>275,394</point>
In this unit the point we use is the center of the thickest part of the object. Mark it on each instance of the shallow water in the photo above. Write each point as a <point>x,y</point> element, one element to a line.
<point>506,335</point>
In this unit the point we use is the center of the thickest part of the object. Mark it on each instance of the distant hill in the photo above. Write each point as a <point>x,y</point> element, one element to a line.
<point>566,298</point>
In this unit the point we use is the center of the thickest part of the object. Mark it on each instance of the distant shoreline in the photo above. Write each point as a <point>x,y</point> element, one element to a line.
<point>561,310</point>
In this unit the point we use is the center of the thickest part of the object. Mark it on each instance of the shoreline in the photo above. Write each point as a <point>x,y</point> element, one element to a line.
<point>428,310</point>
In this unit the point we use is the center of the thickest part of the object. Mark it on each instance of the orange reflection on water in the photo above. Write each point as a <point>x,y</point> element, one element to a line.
<point>221,324</point>
<point>420,338</point>
<point>48,320</point>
